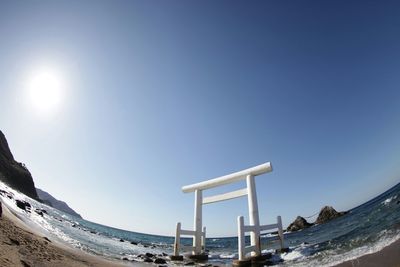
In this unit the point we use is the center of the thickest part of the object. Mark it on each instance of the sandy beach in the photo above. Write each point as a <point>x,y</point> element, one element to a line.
<point>20,246</point>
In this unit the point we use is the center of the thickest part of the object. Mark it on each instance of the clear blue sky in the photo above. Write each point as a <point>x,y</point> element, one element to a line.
<point>160,94</point>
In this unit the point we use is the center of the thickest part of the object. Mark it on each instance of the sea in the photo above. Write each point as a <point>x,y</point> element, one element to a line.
<point>365,229</point>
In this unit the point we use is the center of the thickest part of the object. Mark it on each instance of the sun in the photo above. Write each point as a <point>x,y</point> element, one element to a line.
<point>45,91</point>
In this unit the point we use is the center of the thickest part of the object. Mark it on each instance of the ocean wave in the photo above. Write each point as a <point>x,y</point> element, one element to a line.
<point>298,253</point>
<point>388,200</point>
<point>385,241</point>
<point>305,256</point>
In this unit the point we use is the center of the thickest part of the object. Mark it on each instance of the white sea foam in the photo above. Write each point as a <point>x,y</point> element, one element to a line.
<point>364,250</point>
<point>298,253</point>
<point>265,251</point>
<point>388,200</point>
<point>32,219</point>
<point>300,257</point>
<point>294,255</point>
<point>228,256</point>
<point>213,256</point>
<point>269,235</point>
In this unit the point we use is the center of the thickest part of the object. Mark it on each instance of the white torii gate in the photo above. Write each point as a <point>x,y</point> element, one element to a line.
<point>254,228</point>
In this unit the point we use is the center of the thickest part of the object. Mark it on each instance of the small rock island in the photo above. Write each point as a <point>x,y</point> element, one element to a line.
<point>326,214</point>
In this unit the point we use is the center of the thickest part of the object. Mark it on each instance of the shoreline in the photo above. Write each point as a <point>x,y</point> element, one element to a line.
<point>21,245</point>
<point>388,256</point>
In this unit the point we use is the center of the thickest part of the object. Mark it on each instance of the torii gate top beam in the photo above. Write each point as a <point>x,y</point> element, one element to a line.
<point>230,178</point>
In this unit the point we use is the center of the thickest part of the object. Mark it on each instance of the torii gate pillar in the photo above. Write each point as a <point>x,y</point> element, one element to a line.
<point>198,220</point>
<point>254,218</point>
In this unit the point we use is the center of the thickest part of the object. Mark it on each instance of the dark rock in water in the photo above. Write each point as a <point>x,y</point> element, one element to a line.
<point>282,250</point>
<point>39,212</point>
<point>149,255</point>
<point>134,243</point>
<point>328,213</point>
<point>260,260</point>
<point>147,259</point>
<point>42,210</point>
<point>121,240</point>
<point>14,173</point>
<point>176,258</point>
<point>298,224</point>
<point>55,203</point>
<point>160,261</point>
<point>10,195</point>
<point>125,259</point>
<point>23,205</point>
<point>268,263</point>
<point>197,257</point>
<point>267,256</point>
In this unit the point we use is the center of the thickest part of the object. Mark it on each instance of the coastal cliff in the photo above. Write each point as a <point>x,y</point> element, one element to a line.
<point>14,173</point>
<point>17,176</point>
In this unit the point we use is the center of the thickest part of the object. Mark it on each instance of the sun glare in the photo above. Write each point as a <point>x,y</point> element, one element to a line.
<point>45,91</point>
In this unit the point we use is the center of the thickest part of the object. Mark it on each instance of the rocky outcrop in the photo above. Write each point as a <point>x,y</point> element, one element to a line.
<point>23,205</point>
<point>298,224</point>
<point>160,261</point>
<point>55,203</point>
<point>13,173</point>
<point>328,213</point>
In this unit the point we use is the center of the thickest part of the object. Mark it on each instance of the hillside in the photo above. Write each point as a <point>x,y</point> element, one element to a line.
<point>55,203</point>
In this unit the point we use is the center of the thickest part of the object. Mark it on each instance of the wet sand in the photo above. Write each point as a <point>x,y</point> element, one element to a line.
<point>387,257</point>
